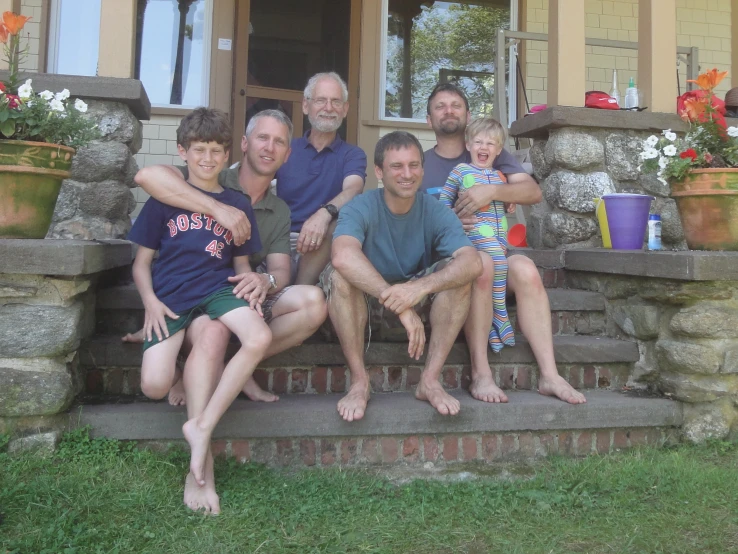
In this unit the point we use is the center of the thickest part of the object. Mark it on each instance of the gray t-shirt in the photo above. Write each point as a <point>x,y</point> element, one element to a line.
<point>399,246</point>
<point>436,168</point>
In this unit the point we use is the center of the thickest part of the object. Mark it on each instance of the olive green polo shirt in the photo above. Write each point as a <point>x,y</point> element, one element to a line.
<point>272,217</point>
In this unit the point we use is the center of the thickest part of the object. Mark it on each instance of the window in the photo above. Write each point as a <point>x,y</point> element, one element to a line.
<point>74,36</point>
<point>173,51</point>
<point>429,42</point>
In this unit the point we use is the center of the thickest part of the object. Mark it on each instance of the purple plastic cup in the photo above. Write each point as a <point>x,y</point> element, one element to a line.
<point>627,218</point>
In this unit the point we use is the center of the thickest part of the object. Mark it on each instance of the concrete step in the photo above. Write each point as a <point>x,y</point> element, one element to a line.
<point>119,310</point>
<point>397,428</point>
<point>113,367</point>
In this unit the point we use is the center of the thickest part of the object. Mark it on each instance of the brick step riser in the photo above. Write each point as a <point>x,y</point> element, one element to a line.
<point>440,450</point>
<point>101,381</point>
<point>120,322</point>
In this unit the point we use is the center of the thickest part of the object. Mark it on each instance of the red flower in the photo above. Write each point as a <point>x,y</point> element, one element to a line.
<point>13,101</point>
<point>689,153</point>
<point>2,87</point>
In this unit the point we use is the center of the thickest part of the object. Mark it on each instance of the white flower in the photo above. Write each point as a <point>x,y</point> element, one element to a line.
<point>733,132</point>
<point>25,91</point>
<point>46,95</point>
<point>649,154</point>
<point>80,106</point>
<point>56,105</point>
<point>669,135</point>
<point>670,150</point>
<point>29,103</point>
<point>663,162</point>
<point>63,95</point>
<point>651,141</point>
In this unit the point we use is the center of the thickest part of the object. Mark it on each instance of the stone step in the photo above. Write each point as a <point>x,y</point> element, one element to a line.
<point>113,367</point>
<point>119,310</point>
<point>397,428</point>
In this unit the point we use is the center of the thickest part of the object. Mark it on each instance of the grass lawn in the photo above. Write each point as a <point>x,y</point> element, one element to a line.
<point>106,496</point>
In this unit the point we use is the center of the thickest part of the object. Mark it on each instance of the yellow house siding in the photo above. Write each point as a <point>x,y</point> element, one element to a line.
<point>31,33</point>
<point>704,24</point>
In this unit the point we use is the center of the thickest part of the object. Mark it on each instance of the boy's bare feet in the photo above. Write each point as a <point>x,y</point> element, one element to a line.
<point>199,441</point>
<point>353,405</point>
<point>254,392</point>
<point>137,337</point>
<point>558,387</point>
<point>485,389</point>
<point>202,498</point>
<point>177,393</point>
<point>431,391</point>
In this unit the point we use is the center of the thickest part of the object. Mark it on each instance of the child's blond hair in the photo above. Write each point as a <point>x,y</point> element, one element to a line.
<point>486,126</point>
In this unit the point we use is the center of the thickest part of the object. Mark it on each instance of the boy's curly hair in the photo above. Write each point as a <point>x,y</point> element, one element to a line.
<point>205,125</point>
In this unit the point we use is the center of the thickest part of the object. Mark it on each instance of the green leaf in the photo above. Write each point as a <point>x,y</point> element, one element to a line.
<point>7,128</point>
<point>4,115</point>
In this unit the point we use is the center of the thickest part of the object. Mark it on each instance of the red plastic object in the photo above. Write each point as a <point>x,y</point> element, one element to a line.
<point>601,100</point>
<point>516,235</point>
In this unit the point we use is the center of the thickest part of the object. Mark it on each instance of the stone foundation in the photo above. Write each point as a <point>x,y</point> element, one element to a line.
<point>47,306</point>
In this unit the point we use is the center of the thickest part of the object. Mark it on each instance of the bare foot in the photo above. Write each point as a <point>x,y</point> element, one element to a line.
<point>432,391</point>
<point>137,337</point>
<point>256,393</point>
<point>177,394</point>
<point>199,498</point>
<point>562,390</point>
<point>199,441</point>
<point>353,405</point>
<point>486,390</point>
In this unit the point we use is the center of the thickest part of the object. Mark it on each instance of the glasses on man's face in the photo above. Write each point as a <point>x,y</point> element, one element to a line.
<point>323,102</point>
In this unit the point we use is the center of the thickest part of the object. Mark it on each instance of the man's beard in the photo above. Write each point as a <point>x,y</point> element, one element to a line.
<point>325,126</point>
<point>451,127</point>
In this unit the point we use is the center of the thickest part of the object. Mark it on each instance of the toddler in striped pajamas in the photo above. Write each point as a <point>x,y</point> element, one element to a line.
<point>485,138</point>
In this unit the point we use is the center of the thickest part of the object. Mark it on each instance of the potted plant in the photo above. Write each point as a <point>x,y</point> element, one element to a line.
<point>38,136</point>
<point>701,167</point>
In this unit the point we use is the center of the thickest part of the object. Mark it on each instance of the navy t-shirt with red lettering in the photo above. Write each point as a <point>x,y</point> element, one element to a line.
<point>195,252</point>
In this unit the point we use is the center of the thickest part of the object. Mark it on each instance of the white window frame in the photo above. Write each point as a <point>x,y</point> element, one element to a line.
<point>512,84</point>
<point>207,38</point>
<point>52,47</point>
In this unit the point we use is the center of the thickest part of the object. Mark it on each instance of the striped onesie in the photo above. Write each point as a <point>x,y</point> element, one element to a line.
<point>490,235</point>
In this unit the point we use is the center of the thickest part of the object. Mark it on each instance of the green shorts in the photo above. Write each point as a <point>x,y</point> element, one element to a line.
<point>215,305</point>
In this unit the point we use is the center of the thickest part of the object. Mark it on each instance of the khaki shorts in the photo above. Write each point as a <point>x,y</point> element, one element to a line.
<point>384,324</point>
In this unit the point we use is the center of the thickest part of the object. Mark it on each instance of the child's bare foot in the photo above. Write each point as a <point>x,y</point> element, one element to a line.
<point>254,392</point>
<point>199,441</point>
<point>137,337</point>
<point>353,405</point>
<point>486,390</point>
<point>202,498</point>
<point>431,391</point>
<point>562,390</point>
<point>177,393</point>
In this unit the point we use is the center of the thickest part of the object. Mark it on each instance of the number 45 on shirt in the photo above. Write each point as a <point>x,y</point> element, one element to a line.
<point>215,248</point>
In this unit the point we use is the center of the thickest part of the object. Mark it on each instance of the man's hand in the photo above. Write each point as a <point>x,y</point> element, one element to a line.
<point>402,296</point>
<point>469,222</point>
<point>154,320</point>
<point>235,221</point>
<point>252,287</point>
<point>415,333</point>
<point>472,200</point>
<point>313,231</point>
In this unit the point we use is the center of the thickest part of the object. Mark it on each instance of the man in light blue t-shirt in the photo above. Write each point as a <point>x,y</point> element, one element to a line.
<point>400,248</point>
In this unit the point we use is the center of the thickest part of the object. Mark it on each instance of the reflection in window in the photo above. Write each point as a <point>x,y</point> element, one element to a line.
<point>172,45</point>
<point>428,42</point>
<point>74,38</point>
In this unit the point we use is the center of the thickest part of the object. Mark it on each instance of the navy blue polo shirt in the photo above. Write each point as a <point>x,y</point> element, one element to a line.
<point>195,252</point>
<point>310,178</point>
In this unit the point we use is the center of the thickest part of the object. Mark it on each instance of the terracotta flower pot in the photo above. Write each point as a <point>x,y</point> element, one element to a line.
<point>708,206</point>
<point>31,174</point>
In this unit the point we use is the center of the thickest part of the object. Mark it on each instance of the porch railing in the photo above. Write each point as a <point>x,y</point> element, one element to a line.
<point>509,40</point>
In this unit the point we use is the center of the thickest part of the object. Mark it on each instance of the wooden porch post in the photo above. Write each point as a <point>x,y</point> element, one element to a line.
<point>657,44</point>
<point>117,38</point>
<point>734,45</point>
<point>566,67</point>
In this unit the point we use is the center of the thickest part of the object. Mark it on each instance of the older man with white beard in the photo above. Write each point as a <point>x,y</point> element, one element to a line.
<point>322,174</point>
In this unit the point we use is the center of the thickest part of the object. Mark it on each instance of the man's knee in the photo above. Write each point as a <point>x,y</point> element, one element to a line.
<point>485,280</point>
<point>340,287</point>
<point>208,336</point>
<point>314,306</point>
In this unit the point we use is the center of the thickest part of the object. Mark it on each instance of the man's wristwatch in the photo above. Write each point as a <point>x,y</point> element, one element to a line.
<point>331,209</point>
<point>272,281</point>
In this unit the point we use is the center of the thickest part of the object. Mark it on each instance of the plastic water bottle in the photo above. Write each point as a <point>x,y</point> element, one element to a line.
<point>631,95</point>
<point>614,93</point>
<point>654,232</point>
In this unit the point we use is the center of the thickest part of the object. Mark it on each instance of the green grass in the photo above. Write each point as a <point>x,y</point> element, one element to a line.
<point>106,496</point>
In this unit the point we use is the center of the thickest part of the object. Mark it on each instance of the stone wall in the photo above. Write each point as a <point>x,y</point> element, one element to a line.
<point>96,201</point>
<point>47,305</point>
<point>686,328</point>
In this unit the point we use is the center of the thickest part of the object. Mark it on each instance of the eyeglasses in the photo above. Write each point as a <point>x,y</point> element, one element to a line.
<point>322,102</point>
